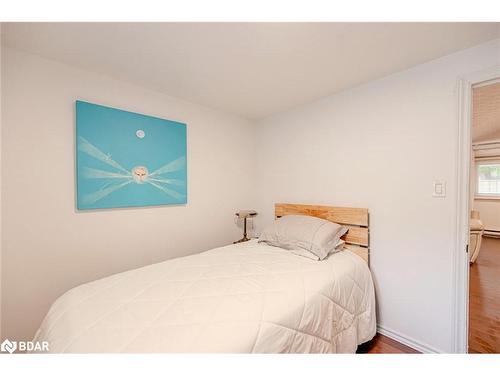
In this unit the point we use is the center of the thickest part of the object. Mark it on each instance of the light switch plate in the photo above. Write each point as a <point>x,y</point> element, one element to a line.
<point>439,189</point>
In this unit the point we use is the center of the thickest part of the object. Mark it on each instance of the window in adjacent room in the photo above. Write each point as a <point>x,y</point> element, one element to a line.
<point>488,179</point>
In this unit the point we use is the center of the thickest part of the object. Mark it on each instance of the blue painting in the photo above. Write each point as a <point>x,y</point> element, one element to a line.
<point>126,159</point>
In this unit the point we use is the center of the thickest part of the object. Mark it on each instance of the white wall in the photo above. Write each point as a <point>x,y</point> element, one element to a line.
<point>1,182</point>
<point>381,145</point>
<point>49,248</point>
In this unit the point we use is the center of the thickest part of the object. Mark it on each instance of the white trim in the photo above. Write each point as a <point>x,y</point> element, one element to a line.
<point>490,160</point>
<point>486,145</point>
<point>460,305</point>
<point>408,341</point>
<point>459,312</point>
<point>493,233</point>
<point>487,197</point>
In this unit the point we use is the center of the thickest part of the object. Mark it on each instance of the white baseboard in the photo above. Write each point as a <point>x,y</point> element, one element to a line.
<point>408,341</point>
<point>491,233</point>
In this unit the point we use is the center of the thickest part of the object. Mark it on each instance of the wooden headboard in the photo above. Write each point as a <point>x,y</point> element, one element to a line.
<point>356,219</point>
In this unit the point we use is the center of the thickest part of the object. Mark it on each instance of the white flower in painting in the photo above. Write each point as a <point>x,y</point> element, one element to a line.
<point>140,174</point>
<point>121,177</point>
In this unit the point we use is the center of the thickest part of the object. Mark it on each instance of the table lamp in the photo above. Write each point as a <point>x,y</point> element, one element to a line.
<point>245,214</point>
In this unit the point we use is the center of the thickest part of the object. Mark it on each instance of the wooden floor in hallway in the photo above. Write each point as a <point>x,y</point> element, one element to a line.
<point>484,299</point>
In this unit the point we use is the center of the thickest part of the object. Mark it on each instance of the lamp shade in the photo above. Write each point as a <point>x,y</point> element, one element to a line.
<point>246,213</point>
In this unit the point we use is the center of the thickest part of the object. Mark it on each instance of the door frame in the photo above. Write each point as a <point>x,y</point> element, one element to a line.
<point>461,257</point>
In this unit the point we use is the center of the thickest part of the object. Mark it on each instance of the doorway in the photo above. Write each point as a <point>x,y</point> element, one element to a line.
<point>465,203</point>
<point>484,222</point>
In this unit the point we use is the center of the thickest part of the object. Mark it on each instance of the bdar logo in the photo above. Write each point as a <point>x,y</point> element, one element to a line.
<point>8,346</point>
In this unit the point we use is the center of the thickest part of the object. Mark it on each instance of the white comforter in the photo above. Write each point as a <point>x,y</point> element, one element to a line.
<point>236,299</point>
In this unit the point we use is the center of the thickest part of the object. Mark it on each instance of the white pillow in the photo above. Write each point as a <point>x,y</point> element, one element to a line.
<point>308,254</point>
<point>299,232</point>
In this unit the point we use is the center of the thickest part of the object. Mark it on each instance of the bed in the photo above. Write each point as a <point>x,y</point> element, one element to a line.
<point>242,298</point>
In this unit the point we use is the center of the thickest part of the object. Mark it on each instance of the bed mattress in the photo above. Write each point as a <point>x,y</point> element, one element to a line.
<point>244,298</point>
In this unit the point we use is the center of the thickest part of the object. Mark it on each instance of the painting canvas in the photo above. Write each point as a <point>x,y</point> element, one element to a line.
<point>126,159</point>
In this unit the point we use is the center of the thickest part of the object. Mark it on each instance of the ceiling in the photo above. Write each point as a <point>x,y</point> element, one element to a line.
<point>249,69</point>
<point>486,113</point>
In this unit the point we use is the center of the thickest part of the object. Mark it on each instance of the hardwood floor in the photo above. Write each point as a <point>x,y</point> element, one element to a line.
<point>384,345</point>
<point>484,299</point>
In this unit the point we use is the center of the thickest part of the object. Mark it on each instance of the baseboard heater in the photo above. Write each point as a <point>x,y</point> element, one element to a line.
<point>491,233</point>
